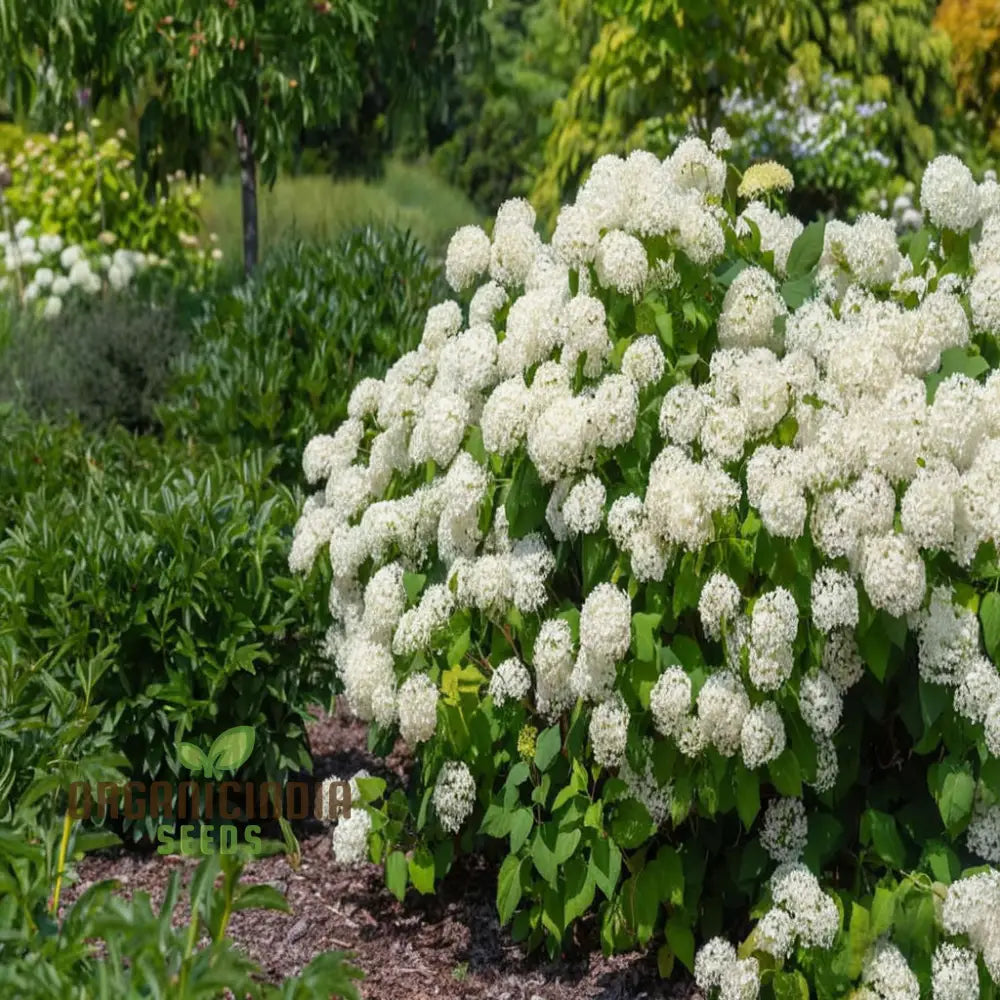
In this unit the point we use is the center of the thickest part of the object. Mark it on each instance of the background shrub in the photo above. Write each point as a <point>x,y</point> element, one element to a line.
<point>273,362</point>
<point>161,591</point>
<point>81,184</point>
<point>101,360</point>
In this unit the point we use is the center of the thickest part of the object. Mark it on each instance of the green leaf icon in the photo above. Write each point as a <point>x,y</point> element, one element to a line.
<point>192,757</point>
<point>231,749</point>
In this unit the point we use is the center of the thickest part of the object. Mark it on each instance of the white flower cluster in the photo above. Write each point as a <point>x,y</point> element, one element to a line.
<point>350,833</point>
<point>42,268</point>
<point>983,836</point>
<point>815,919</point>
<point>954,973</point>
<point>971,908</point>
<point>887,976</point>
<point>454,795</point>
<point>716,966</point>
<point>785,829</point>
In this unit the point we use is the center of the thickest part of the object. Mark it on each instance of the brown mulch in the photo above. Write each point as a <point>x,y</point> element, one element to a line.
<point>446,945</point>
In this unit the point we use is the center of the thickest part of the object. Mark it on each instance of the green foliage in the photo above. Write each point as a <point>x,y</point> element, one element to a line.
<point>159,593</point>
<point>319,209</point>
<point>51,736</point>
<point>500,108</point>
<point>273,362</point>
<point>99,360</point>
<point>84,188</point>
<point>146,951</point>
<point>658,69</point>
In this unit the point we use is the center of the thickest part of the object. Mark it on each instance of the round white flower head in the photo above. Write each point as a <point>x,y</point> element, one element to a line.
<point>785,829</point>
<point>553,663</point>
<point>796,890</point>
<point>443,321</point>
<point>625,519</point>
<point>820,703</point>
<point>468,257</point>
<point>438,433</point>
<point>693,166</point>
<point>949,194</point>
<point>609,732</point>
<point>762,737</point>
<point>720,141</point>
<point>893,573</point>
<point>947,638</point>
<point>510,682</point>
<point>774,620</point>
<point>749,310</point>
<point>842,661</point>
<point>984,299</point>
<point>621,263</point>
<point>887,974</point>
<point>719,602</point>
<point>350,838</point>
<point>776,933</point>
<point>834,600</point>
<point>643,361</point>
<point>740,980</point>
<point>954,973</point>
<point>713,958</point>
<point>576,235</point>
<point>583,509</point>
<point>515,247</point>
<point>723,706</point>
<point>486,301</point>
<point>606,622</point>
<point>365,399</point>
<point>454,795</point>
<point>983,836</point>
<point>418,698</point>
<point>682,414</point>
<point>670,700</point>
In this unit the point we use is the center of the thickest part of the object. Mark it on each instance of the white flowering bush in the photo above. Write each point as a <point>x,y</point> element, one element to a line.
<point>75,220</point>
<point>671,553</point>
<point>43,273</point>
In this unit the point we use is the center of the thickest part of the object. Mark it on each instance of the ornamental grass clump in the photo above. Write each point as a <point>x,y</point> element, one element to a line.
<point>671,552</point>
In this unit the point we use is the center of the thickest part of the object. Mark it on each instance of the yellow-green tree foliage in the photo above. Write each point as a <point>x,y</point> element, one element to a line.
<point>660,66</point>
<point>974,29</point>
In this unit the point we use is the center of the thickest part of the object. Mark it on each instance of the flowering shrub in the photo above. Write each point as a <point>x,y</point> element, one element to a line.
<point>40,268</point>
<point>839,146</point>
<point>83,190</point>
<point>671,553</point>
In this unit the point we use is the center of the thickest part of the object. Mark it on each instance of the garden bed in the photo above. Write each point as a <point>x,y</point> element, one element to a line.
<point>449,944</point>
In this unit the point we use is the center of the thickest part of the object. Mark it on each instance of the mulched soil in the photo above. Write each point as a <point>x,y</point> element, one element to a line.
<point>448,945</point>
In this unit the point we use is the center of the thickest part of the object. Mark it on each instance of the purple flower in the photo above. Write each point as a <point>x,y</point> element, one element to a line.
<point>83,97</point>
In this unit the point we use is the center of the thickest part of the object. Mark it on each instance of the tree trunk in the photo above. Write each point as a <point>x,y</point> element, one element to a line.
<point>248,187</point>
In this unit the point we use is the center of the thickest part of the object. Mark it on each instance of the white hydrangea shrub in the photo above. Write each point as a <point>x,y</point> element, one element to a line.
<point>668,530</point>
<point>43,272</point>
